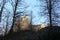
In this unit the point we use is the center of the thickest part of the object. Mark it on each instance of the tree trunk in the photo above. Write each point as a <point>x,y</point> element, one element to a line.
<point>14,15</point>
<point>50,12</point>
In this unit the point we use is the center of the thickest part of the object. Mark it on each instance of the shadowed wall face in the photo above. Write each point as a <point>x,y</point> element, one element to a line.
<point>38,27</point>
<point>23,24</point>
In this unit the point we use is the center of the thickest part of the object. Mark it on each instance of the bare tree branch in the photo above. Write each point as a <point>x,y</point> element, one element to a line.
<point>2,9</point>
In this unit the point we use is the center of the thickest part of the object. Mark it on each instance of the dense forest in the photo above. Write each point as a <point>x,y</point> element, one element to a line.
<point>30,19</point>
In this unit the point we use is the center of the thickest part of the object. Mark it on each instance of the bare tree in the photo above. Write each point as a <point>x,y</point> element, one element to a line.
<point>2,9</point>
<point>14,14</point>
<point>55,12</point>
<point>6,30</point>
<point>50,12</point>
<point>49,8</point>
